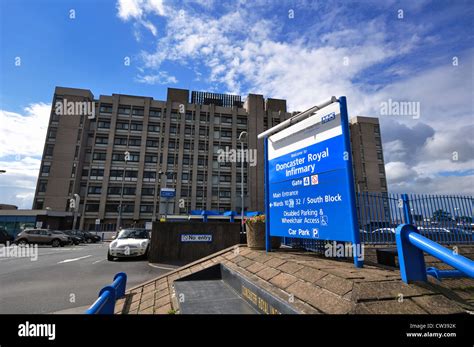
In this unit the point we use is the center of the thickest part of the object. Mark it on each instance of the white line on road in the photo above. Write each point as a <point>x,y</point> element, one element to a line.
<point>163,267</point>
<point>98,261</point>
<point>74,259</point>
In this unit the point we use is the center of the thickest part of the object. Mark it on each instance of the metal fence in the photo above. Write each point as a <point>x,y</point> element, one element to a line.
<point>441,218</point>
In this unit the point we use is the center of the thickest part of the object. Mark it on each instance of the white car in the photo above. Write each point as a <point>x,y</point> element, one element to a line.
<point>129,243</point>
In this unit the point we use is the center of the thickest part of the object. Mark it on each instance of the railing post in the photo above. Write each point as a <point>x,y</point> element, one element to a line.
<point>408,218</point>
<point>109,304</point>
<point>120,283</point>
<point>410,258</point>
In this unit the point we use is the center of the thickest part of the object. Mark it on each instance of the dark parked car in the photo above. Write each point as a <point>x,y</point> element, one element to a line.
<point>5,236</point>
<point>76,237</point>
<point>90,237</point>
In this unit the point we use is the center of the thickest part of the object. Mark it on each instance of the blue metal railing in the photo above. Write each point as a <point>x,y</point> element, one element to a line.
<point>105,303</point>
<point>444,219</point>
<point>411,245</point>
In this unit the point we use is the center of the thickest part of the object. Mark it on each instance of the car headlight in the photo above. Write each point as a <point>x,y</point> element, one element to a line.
<point>144,244</point>
<point>113,244</point>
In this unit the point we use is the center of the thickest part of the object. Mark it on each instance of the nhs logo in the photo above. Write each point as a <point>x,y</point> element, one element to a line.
<point>328,117</point>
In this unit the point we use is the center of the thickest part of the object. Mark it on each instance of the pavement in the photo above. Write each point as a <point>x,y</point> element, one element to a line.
<point>308,283</point>
<point>65,279</point>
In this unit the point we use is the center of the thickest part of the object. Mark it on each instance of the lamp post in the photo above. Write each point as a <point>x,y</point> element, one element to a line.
<point>119,217</point>
<point>164,178</point>
<point>242,135</point>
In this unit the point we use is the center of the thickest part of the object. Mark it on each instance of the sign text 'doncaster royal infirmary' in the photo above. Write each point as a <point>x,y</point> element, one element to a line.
<point>309,180</point>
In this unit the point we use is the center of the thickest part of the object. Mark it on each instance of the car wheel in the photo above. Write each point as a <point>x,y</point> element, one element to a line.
<point>89,240</point>
<point>145,256</point>
<point>22,242</point>
<point>109,257</point>
<point>56,243</point>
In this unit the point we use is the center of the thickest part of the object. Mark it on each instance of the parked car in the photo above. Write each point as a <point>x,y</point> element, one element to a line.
<point>130,243</point>
<point>5,236</point>
<point>90,237</point>
<point>384,231</point>
<point>42,236</point>
<point>75,237</point>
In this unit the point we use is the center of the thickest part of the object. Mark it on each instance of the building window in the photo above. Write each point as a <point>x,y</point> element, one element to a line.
<point>116,174</point>
<point>114,190</point>
<point>137,112</point>
<point>124,110</point>
<point>149,175</point>
<point>49,150</point>
<point>111,207</point>
<point>118,156</point>
<point>129,190</point>
<point>185,176</point>
<point>122,126</point>
<point>52,133</point>
<point>381,168</point>
<point>42,185</point>
<point>105,108</point>
<point>136,126</point>
<point>101,140</point>
<point>187,160</point>
<point>152,143</point>
<point>226,120</point>
<point>150,158</point>
<point>94,189</point>
<point>45,169</point>
<point>39,204</point>
<point>154,128</point>
<point>135,142</point>
<point>170,160</point>
<point>97,173</point>
<point>224,194</point>
<point>189,116</point>
<point>155,113</point>
<point>131,174</point>
<point>242,120</point>
<point>99,155</point>
<point>121,141</point>
<point>187,145</point>
<point>148,191</point>
<point>103,125</point>
<point>226,133</point>
<point>92,207</point>
<point>146,208</point>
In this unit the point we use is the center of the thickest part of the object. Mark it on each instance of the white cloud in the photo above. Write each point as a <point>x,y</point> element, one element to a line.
<point>161,77</point>
<point>21,147</point>
<point>24,134</point>
<point>139,10</point>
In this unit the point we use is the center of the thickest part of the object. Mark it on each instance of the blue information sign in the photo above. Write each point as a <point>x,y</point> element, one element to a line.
<point>309,180</point>
<point>167,193</point>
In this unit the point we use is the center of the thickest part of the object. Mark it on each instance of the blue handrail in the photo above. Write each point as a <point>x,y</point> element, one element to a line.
<point>411,245</point>
<point>105,303</point>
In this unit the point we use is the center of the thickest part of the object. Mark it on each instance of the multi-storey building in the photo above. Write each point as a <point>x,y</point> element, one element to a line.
<point>119,157</point>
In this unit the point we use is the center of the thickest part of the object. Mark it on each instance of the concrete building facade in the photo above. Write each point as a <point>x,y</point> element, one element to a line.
<point>119,157</point>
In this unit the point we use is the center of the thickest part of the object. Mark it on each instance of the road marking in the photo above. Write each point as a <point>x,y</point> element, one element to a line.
<point>163,267</point>
<point>98,261</point>
<point>74,259</point>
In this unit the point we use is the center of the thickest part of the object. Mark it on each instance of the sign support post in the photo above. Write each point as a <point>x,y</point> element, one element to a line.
<point>347,144</point>
<point>268,243</point>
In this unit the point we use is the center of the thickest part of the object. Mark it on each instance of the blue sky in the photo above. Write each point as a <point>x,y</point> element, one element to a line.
<point>302,51</point>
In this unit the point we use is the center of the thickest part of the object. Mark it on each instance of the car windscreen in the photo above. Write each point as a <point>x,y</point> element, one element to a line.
<point>133,234</point>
